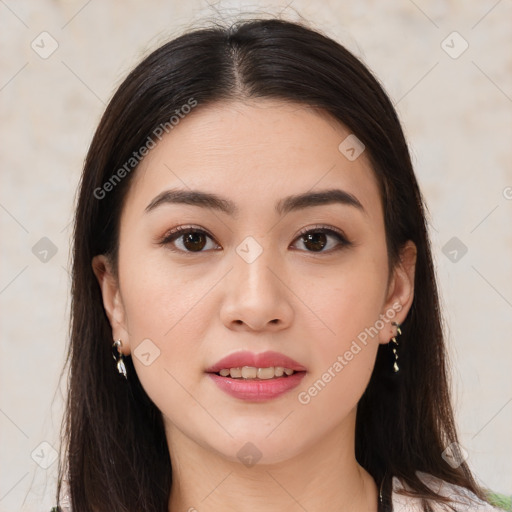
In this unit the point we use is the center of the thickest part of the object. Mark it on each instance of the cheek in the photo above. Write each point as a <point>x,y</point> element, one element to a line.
<point>343,352</point>
<point>160,296</point>
<point>342,364</point>
<point>166,321</point>
<point>348,300</point>
<point>340,377</point>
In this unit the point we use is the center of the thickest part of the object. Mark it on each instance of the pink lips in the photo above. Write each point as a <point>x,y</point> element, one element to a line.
<point>256,390</point>
<point>262,360</point>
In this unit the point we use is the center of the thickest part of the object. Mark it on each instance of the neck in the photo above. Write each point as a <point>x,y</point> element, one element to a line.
<point>326,476</point>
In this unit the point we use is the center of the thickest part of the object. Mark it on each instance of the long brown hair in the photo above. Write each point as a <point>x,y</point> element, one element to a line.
<point>114,454</point>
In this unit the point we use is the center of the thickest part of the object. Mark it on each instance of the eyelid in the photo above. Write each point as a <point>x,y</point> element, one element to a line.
<point>326,227</point>
<point>183,230</point>
<point>344,241</point>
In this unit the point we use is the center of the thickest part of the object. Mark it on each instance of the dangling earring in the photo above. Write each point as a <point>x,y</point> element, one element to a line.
<point>394,347</point>
<point>119,358</point>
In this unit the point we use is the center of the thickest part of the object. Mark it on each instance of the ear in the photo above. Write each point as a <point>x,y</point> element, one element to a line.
<point>111,300</point>
<point>400,292</point>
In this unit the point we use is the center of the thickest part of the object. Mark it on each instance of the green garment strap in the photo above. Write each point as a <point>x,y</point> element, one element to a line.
<point>500,500</point>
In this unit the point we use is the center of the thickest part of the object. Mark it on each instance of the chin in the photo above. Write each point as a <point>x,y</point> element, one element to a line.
<point>252,446</point>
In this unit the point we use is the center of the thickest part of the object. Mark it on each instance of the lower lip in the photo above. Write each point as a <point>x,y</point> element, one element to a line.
<point>257,390</point>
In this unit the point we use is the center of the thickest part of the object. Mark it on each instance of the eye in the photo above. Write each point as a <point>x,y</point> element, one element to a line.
<point>193,239</point>
<point>317,238</point>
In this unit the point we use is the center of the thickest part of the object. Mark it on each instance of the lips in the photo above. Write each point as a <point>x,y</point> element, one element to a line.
<point>262,360</point>
<point>254,389</point>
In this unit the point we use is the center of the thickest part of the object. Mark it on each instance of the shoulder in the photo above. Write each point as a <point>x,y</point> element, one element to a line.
<point>463,499</point>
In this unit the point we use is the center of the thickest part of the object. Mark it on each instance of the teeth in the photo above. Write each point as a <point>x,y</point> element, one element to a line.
<point>265,373</point>
<point>250,372</point>
<point>235,373</point>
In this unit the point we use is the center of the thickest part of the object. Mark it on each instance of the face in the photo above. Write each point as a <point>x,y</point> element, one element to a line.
<point>254,272</point>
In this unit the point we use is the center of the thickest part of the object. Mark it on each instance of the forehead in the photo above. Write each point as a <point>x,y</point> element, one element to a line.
<point>255,153</point>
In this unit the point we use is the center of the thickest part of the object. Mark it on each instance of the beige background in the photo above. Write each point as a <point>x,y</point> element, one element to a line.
<point>457,114</point>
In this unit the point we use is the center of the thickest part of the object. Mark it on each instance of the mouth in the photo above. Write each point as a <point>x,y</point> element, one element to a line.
<point>248,365</point>
<point>256,377</point>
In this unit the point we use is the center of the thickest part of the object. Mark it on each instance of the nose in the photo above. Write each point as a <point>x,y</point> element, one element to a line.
<point>257,295</point>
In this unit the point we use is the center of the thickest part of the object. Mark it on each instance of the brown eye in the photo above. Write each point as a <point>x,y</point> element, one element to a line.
<point>315,240</point>
<point>191,240</point>
<point>194,241</point>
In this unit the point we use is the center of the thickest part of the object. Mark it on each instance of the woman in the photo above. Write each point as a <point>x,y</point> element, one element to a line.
<point>250,242</point>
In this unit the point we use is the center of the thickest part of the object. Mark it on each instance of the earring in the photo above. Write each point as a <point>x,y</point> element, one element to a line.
<point>119,358</point>
<point>394,347</point>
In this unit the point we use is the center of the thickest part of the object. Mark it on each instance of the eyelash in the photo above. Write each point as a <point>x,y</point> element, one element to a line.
<point>180,231</point>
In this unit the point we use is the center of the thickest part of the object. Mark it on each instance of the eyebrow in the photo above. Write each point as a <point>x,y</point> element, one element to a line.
<point>283,206</point>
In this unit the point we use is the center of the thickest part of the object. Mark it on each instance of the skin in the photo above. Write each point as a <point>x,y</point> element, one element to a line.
<point>199,307</point>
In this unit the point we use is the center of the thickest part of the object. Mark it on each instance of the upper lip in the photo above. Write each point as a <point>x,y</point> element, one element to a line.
<point>261,360</point>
